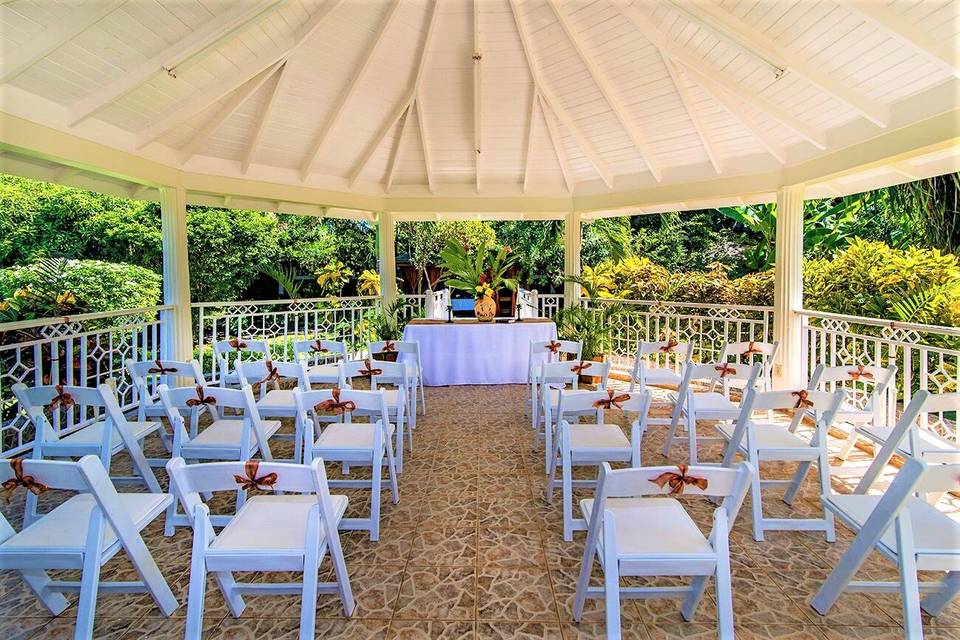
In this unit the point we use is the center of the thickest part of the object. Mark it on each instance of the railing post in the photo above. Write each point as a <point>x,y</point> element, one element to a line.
<point>387,253</point>
<point>788,288</point>
<point>572,237</point>
<point>176,335</point>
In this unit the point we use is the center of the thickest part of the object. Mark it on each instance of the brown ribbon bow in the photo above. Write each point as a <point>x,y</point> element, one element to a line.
<point>237,344</point>
<point>251,481</point>
<point>860,373</point>
<point>20,480</point>
<point>802,402</point>
<point>725,370</point>
<point>63,399</point>
<point>389,347</point>
<point>553,346</point>
<point>317,347</point>
<point>678,481</point>
<point>273,375</point>
<point>367,371</point>
<point>751,349</point>
<point>334,405</point>
<point>160,368</point>
<point>579,368</point>
<point>670,346</point>
<point>612,401</point>
<point>201,399</point>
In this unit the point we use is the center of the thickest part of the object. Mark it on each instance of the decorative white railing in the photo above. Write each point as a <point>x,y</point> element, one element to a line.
<point>84,350</point>
<point>549,303</point>
<point>281,322</point>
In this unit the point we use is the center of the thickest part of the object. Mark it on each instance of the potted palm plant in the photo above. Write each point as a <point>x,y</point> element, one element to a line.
<point>481,275</point>
<point>387,323</point>
<point>592,327</point>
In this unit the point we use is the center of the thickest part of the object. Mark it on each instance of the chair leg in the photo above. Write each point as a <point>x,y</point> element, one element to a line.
<point>697,588</point>
<point>724,587</point>
<point>848,444</point>
<point>375,483</point>
<point>548,445</point>
<point>228,587</point>
<point>674,423</point>
<point>798,477</point>
<point>423,396</point>
<point>90,578</point>
<point>311,564</point>
<point>552,477</point>
<point>823,469</point>
<point>909,585</point>
<point>692,437</point>
<point>567,474</point>
<point>935,603</point>
<point>197,593</point>
<point>39,583</point>
<point>611,589</point>
<point>756,504</point>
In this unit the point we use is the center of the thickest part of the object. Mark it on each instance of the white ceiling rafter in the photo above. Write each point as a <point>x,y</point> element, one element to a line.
<point>237,99</point>
<point>405,104</point>
<point>477,87</point>
<point>424,141</point>
<point>207,36</point>
<point>557,143</point>
<point>531,127</point>
<point>263,117</point>
<point>395,152</point>
<point>899,27</point>
<point>703,68</point>
<point>748,38</point>
<point>197,102</point>
<point>606,88</point>
<point>549,99</point>
<point>21,58</point>
<point>345,96</point>
<point>708,144</point>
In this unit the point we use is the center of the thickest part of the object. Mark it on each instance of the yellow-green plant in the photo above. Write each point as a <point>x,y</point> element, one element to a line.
<point>368,284</point>
<point>333,277</point>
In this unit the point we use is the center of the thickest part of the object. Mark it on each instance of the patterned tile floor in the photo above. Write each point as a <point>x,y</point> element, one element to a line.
<point>473,551</point>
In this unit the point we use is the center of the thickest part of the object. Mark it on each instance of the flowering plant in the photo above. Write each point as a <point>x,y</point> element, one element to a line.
<point>482,274</point>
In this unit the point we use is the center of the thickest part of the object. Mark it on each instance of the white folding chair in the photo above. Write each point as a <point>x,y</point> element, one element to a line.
<point>754,352</point>
<point>869,395</point>
<point>276,402</point>
<point>323,359</point>
<point>660,364</point>
<point>227,351</point>
<point>147,374</point>
<point>290,533</point>
<point>766,442</point>
<point>85,422</point>
<point>633,535</point>
<point>409,354</point>
<point>542,351</point>
<point>910,532</point>
<point>382,373</point>
<point>234,438</point>
<point>554,377</point>
<point>592,444</point>
<point>911,440</point>
<point>84,532</point>
<point>712,405</point>
<point>350,443</point>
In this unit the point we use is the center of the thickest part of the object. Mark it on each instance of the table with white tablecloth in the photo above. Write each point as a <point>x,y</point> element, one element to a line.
<point>476,353</point>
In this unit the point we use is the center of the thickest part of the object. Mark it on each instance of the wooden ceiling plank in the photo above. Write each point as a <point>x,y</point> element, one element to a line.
<point>557,145</point>
<point>262,118</point>
<point>531,124</point>
<point>477,95</point>
<point>708,143</point>
<point>424,141</point>
<point>395,154</point>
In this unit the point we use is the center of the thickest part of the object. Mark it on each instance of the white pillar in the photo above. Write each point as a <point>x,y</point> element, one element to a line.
<point>788,289</point>
<point>572,239</point>
<point>177,327</point>
<point>387,252</point>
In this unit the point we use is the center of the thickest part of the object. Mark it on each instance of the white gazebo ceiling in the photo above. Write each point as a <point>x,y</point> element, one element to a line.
<point>478,98</point>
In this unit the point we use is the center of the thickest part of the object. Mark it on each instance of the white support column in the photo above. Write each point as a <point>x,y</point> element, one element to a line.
<point>177,327</point>
<point>572,239</point>
<point>788,289</point>
<point>387,252</point>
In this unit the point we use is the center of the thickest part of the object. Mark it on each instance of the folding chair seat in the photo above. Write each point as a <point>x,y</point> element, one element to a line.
<point>146,375</point>
<point>233,350</point>
<point>592,444</point>
<point>660,364</point>
<point>910,532</point>
<point>270,533</point>
<point>764,442</point>
<point>711,405</point>
<point>543,351</point>
<point>753,352</point>
<point>634,535</point>
<point>323,359</point>
<point>408,354</point>
<point>909,439</point>
<point>351,444</point>
<point>381,373</point>
<point>84,532</point>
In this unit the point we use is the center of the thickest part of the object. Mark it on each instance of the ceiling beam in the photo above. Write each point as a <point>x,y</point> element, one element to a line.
<point>18,59</point>
<point>557,144</point>
<point>196,102</point>
<point>338,110</point>
<point>703,68</point>
<point>208,35</point>
<point>698,123</point>
<point>531,124</point>
<point>262,118</point>
<point>753,40</point>
<point>606,88</point>
<point>424,141</point>
<point>477,86</point>
<point>237,99</point>
<point>908,33</point>
<point>548,98</point>
<point>395,154</point>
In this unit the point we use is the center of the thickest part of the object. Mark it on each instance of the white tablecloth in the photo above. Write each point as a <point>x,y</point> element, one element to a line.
<point>477,353</point>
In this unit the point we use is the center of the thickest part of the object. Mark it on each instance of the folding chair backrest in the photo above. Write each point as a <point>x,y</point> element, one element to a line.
<point>368,402</point>
<point>62,409</point>
<point>266,372</point>
<point>753,352</point>
<point>667,349</point>
<point>553,350</point>
<point>377,371</point>
<point>569,371</point>
<point>316,351</point>
<point>147,374</point>
<point>395,346</point>
<point>720,372</point>
<point>918,412</point>
<point>227,351</point>
<point>579,402</point>
<point>824,404</point>
<point>866,386</point>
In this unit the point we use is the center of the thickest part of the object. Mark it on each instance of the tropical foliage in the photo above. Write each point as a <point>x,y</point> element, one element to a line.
<point>481,273</point>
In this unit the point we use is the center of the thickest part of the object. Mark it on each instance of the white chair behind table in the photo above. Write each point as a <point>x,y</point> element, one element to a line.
<point>83,533</point>
<point>292,532</point>
<point>632,535</point>
<point>870,396</point>
<point>592,444</point>
<point>380,373</point>
<point>910,532</point>
<point>323,359</point>
<point>754,352</point>
<point>554,377</point>
<point>542,351</point>
<point>227,352</point>
<point>435,304</point>
<point>913,435</point>
<point>529,302</point>
<point>350,443</point>
<point>107,432</point>
<point>146,375</point>
<point>237,438</point>
<point>766,442</point>
<point>711,404</point>
<point>276,402</point>
<point>408,352</point>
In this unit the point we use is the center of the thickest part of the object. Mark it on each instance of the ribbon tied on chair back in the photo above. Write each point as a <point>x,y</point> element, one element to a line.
<point>553,346</point>
<point>20,480</point>
<point>612,401</point>
<point>162,370</point>
<point>670,347</point>
<point>802,401</point>
<point>725,370</point>
<point>367,371</point>
<point>63,399</point>
<point>237,344</point>
<point>251,481</point>
<point>317,347</point>
<point>860,373</point>
<point>201,399</point>
<point>273,375</point>
<point>580,368</point>
<point>678,481</point>
<point>334,405</point>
